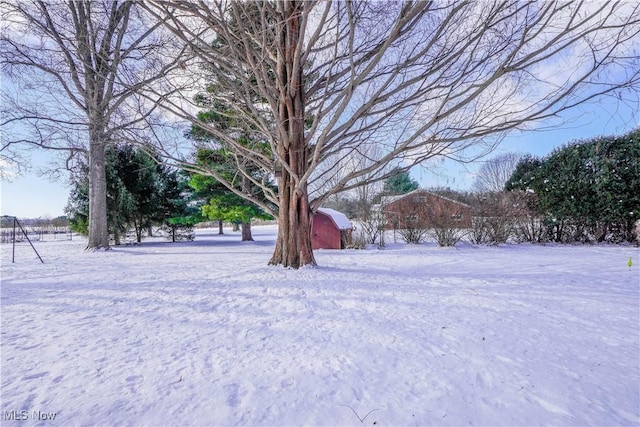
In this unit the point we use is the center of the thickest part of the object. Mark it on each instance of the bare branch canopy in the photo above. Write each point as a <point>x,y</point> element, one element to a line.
<point>347,88</point>
<point>75,72</point>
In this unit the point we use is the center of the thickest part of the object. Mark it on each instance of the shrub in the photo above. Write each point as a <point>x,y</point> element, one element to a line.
<point>358,240</point>
<point>530,229</point>
<point>447,236</point>
<point>413,235</point>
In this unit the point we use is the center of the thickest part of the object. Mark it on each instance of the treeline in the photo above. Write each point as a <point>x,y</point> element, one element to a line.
<point>44,223</point>
<point>586,191</point>
<point>144,195</point>
<point>141,194</point>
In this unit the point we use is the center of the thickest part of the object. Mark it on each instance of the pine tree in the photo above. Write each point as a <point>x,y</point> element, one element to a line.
<point>222,203</point>
<point>140,194</point>
<point>400,183</point>
<point>179,211</point>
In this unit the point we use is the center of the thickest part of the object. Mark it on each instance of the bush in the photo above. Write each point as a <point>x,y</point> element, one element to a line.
<point>358,240</point>
<point>446,237</point>
<point>414,235</point>
<point>373,227</point>
<point>501,216</point>
<point>531,230</point>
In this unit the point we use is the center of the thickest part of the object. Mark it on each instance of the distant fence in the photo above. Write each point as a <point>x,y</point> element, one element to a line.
<point>40,234</point>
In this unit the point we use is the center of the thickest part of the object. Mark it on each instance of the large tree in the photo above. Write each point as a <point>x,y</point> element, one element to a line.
<point>75,72</point>
<point>221,203</point>
<point>415,79</point>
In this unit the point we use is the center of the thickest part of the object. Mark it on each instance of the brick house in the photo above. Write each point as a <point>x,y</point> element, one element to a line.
<point>422,209</point>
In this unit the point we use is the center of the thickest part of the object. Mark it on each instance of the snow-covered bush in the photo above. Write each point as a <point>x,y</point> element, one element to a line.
<point>587,190</point>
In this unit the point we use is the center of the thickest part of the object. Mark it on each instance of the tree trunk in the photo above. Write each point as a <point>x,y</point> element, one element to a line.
<point>220,230</point>
<point>116,236</point>
<point>137,227</point>
<point>246,232</point>
<point>293,246</point>
<point>98,231</point>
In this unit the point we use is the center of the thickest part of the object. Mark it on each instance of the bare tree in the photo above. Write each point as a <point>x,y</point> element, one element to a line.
<point>495,172</point>
<point>75,72</point>
<point>416,79</point>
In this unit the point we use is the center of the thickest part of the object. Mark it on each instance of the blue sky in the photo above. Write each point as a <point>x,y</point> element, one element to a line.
<point>601,118</point>
<point>32,196</point>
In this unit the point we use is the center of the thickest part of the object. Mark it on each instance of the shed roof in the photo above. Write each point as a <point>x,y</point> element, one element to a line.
<point>339,219</point>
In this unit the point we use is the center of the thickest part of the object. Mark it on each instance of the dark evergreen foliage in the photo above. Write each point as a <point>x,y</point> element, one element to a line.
<point>141,193</point>
<point>587,190</point>
<point>400,183</point>
<point>220,202</point>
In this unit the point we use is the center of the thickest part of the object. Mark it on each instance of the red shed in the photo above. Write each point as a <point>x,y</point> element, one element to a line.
<point>330,229</point>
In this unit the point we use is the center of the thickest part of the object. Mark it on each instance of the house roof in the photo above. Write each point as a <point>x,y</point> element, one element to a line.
<point>339,219</point>
<point>390,199</point>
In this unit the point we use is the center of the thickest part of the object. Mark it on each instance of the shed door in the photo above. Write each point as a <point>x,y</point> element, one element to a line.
<point>325,235</point>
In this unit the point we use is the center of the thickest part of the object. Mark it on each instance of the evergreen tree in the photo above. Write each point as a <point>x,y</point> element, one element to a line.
<point>140,193</point>
<point>132,190</point>
<point>617,182</point>
<point>77,208</point>
<point>244,179</point>
<point>586,190</point>
<point>525,171</point>
<point>222,203</point>
<point>400,183</point>
<point>179,211</point>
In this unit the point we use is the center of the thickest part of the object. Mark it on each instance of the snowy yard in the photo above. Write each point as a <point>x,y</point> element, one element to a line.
<point>205,333</point>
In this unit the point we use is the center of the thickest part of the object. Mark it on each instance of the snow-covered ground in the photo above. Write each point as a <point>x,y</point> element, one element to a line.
<point>205,333</point>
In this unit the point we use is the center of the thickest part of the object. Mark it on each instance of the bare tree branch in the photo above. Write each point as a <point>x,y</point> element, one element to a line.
<point>75,71</point>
